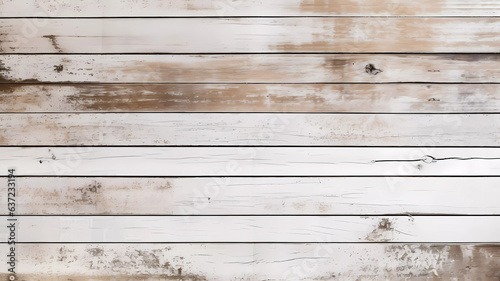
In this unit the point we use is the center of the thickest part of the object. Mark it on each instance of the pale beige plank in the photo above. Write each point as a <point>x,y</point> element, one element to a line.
<point>252,35</point>
<point>137,129</point>
<point>377,98</point>
<point>196,262</point>
<point>248,161</point>
<point>271,68</point>
<point>188,8</point>
<point>252,229</point>
<point>257,196</point>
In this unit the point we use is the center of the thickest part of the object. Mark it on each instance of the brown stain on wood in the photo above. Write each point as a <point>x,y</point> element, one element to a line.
<point>378,7</point>
<point>249,98</point>
<point>54,43</point>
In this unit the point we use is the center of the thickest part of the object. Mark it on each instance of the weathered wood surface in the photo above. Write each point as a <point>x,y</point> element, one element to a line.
<point>189,8</point>
<point>182,129</point>
<point>257,196</point>
<point>248,161</point>
<point>271,229</point>
<point>252,35</point>
<point>374,98</point>
<point>196,262</point>
<point>270,68</point>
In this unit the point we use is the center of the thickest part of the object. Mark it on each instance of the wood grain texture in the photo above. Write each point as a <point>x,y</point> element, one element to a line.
<point>270,68</point>
<point>252,35</point>
<point>257,196</point>
<point>252,229</point>
<point>328,98</point>
<point>188,8</point>
<point>248,161</point>
<point>181,129</point>
<point>197,262</point>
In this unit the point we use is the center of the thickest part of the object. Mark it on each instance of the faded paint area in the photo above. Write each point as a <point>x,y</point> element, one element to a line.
<point>187,8</point>
<point>253,35</point>
<point>258,261</point>
<point>251,196</point>
<point>136,129</point>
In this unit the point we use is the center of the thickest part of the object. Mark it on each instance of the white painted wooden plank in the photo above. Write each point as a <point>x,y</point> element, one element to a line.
<point>196,262</point>
<point>270,68</point>
<point>250,129</point>
<point>252,35</point>
<point>187,8</point>
<point>206,229</point>
<point>370,98</point>
<point>250,161</point>
<point>256,196</point>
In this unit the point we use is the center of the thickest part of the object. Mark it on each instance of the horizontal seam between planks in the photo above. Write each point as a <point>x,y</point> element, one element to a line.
<point>257,17</point>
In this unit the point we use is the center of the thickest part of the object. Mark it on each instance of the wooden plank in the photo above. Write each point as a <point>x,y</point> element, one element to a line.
<point>252,229</point>
<point>330,98</point>
<point>248,161</point>
<point>185,8</point>
<point>252,35</point>
<point>257,196</point>
<point>176,129</point>
<point>196,262</point>
<point>271,68</point>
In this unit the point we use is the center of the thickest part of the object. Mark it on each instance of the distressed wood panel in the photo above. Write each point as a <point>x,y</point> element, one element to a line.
<point>270,68</point>
<point>251,196</point>
<point>250,161</point>
<point>196,262</point>
<point>374,98</point>
<point>252,35</point>
<point>188,8</point>
<point>178,129</point>
<point>272,229</point>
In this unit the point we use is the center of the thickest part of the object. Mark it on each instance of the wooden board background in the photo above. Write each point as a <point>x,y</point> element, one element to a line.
<point>251,140</point>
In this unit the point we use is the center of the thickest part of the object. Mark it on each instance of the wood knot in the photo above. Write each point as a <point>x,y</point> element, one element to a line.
<point>371,69</point>
<point>58,68</point>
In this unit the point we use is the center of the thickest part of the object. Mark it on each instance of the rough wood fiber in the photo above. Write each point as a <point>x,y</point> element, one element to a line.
<point>252,35</point>
<point>257,196</point>
<point>271,68</point>
<point>181,129</point>
<point>375,98</point>
<point>197,262</point>
<point>248,161</point>
<point>188,8</point>
<point>275,229</point>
